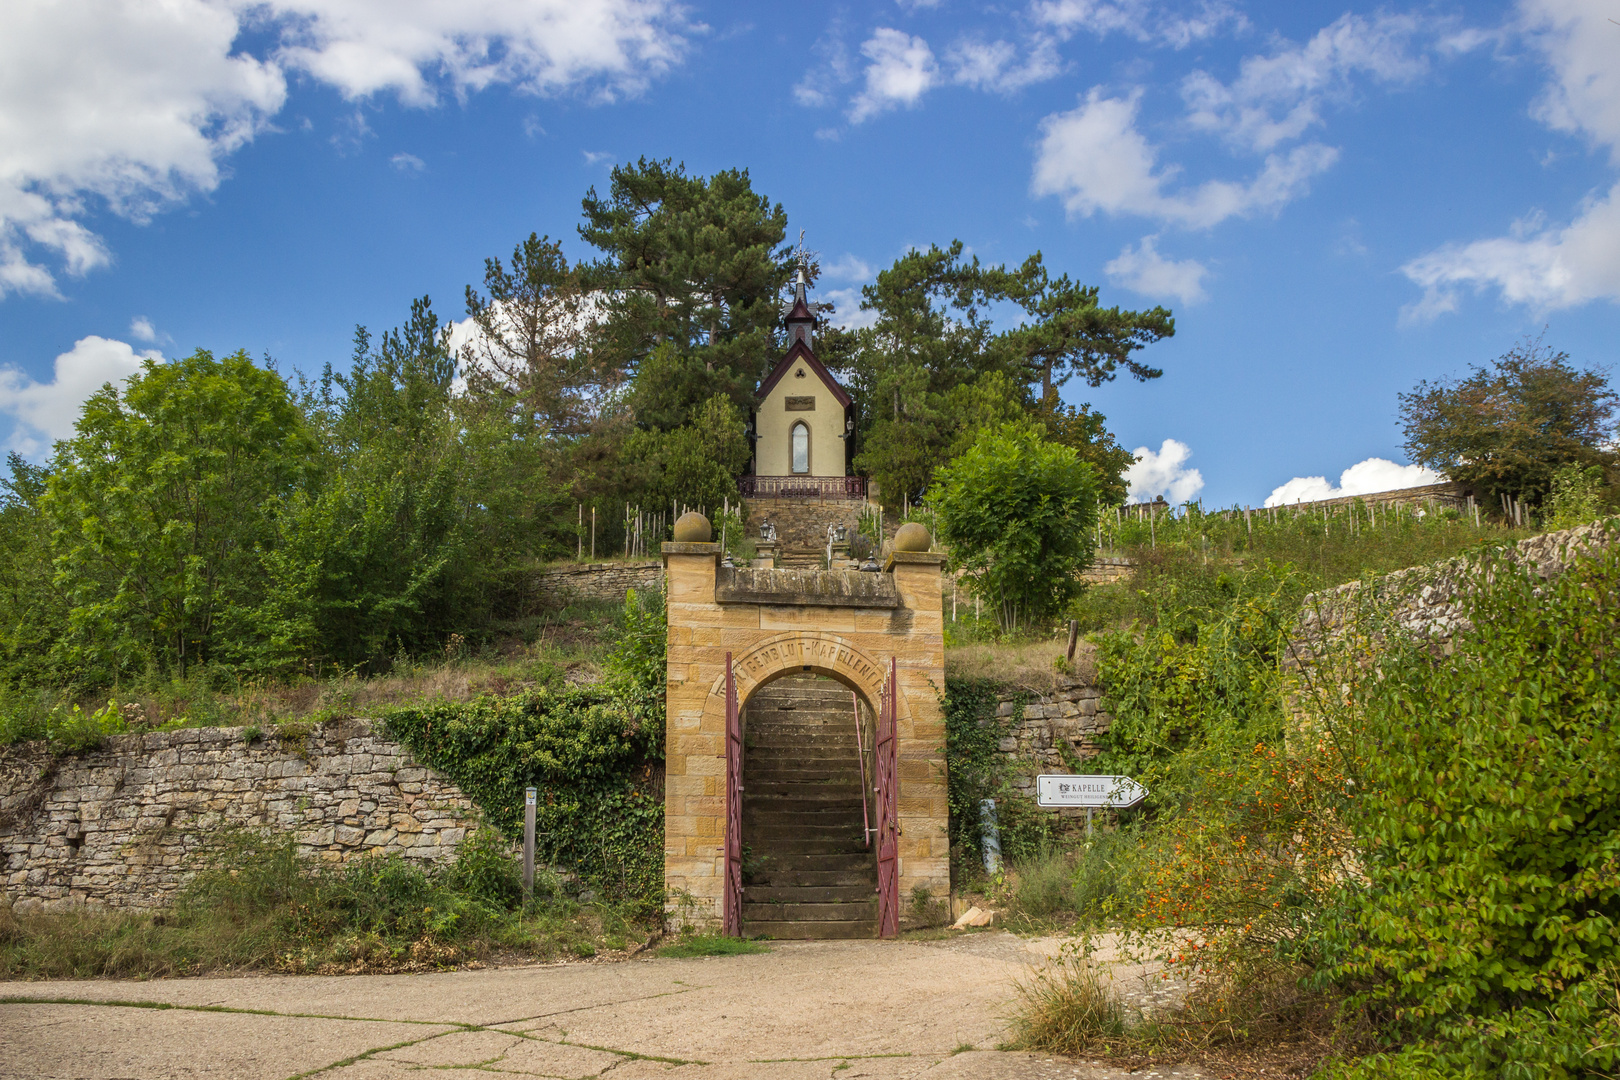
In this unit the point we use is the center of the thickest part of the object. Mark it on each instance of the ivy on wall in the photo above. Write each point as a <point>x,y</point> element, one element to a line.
<point>595,754</point>
<point>977,770</point>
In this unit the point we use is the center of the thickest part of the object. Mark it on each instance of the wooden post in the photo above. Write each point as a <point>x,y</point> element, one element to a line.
<point>579,535</point>
<point>1074,638</point>
<point>593,534</point>
<point>528,845</point>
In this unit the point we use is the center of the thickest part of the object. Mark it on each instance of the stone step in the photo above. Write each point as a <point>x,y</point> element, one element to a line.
<point>834,912</point>
<point>810,791</point>
<point>789,850</point>
<point>844,862</point>
<point>812,931</point>
<point>767,838</point>
<point>860,892</point>
<point>848,804</point>
<point>768,878</point>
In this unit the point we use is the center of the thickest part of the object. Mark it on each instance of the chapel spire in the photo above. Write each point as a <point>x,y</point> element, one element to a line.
<point>799,319</point>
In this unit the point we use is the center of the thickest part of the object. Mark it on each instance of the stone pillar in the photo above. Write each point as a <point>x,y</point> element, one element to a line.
<point>694,749</point>
<point>925,845</point>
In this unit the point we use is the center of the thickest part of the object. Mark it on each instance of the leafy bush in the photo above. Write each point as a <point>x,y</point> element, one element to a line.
<point>1017,514</point>
<point>260,906</point>
<point>1489,825</point>
<point>594,752</point>
<point>977,771</point>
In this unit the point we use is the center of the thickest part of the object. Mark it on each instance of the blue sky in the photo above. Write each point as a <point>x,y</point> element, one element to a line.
<point>1336,201</point>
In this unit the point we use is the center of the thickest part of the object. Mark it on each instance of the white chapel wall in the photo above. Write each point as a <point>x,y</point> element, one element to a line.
<point>775,425</point>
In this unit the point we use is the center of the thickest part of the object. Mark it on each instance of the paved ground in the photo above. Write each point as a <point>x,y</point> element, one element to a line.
<point>821,1010</point>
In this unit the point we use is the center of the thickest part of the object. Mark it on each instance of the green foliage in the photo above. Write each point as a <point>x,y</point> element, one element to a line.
<point>696,464</point>
<point>692,267</point>
<point>1017,514</point>
<point>977,771</point>
<point>1508,427</point>
<point>1575,496</point>
<point>159,506</point>
<point>1210,660</point>
<point>1489,813</point>
<point>932,371</point>
<point>1069,333</point>
<point>710,945</point>
<point>594,752</point>
<point>257,905</point>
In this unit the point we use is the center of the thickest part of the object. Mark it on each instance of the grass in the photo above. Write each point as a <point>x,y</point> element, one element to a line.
<point>568,643</point>
<point>1066,1009</point>
<point>710,945</point>
<point>260,907</point>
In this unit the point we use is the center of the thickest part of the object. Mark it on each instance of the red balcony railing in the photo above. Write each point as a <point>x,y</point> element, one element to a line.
<point>802,487</point>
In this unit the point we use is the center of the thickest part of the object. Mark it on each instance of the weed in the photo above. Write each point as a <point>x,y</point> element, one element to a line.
<point>1066,1009</point>
<point>710,945</point>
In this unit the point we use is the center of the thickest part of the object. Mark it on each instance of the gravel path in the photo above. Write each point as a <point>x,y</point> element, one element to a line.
<point>825,1010</point>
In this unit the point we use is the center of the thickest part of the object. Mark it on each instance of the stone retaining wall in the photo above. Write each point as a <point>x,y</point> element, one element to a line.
<point>597,581</point>
<point>122,826</point>
<point>1426,602</point>
<point>1066,721</point>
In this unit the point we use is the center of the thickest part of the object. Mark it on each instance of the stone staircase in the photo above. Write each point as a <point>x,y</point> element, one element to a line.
<point>808,872</point>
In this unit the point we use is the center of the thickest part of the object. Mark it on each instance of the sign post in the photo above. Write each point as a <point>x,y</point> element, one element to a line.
<point>1088,792</point>
<point>528,845</point>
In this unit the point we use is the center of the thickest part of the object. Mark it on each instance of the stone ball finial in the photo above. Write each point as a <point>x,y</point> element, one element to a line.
<point>913,536</point>
<point>693,528</point>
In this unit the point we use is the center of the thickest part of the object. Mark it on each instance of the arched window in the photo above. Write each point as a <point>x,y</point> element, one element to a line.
<point>801,448</point>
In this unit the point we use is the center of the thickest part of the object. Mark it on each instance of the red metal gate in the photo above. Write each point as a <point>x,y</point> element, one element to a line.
<point>731,915</point>
<point>888,794</point>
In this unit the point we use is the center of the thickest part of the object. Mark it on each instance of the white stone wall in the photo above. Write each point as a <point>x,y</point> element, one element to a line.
<point>124,825</point>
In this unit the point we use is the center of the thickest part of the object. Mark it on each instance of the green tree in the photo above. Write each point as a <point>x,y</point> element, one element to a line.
<point>932,370</point>
<point>534,347</point>
<point>420,516</point>
<point>690,281</point>
<point>1069,333</point>
<point>697,464</point>
<point>160,506</point>
<point>1087,433</point>
<point>1017,513</point>
<point>1508,427</point>
<point>32,616</point>
<point>929,340</point>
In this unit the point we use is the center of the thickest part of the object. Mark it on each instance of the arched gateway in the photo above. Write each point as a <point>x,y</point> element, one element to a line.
<point>846,815</point>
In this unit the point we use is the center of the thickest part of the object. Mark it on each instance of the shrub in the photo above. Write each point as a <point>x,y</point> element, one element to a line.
<point>1489,822</point>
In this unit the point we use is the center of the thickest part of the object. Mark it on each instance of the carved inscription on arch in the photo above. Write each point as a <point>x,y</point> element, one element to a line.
<point>817,652</point>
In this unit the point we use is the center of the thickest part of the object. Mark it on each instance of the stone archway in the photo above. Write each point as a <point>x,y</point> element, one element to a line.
<point>846,625</point>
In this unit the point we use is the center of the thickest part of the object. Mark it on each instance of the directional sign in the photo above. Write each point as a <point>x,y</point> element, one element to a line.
<point>1088,792</point>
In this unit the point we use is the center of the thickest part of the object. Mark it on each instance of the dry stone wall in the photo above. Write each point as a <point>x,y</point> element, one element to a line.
<point>124,826</point>
<point>1426,602</point>
<point>1050,731</point>
<point>597,581</point>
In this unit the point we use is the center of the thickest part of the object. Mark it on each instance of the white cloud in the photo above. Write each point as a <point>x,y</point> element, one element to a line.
<point>901,70</point>
<point>994,65</point>
<point>141,329</point>
<point>1563,265</point>
<point>596,157</point>
<point>1164,472</point>
<point>1362,478</point>
<point>46,412</point>
<point>134,105</point>
<point>847,311</point>
<point>407,162</point>
<point>1142,269</point>
<point>1142,20</point>
<point>1094,158</point>
<point>847,267</point>
<point>1276,98</point>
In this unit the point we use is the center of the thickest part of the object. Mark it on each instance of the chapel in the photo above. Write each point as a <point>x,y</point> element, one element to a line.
<point>803,420</point>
